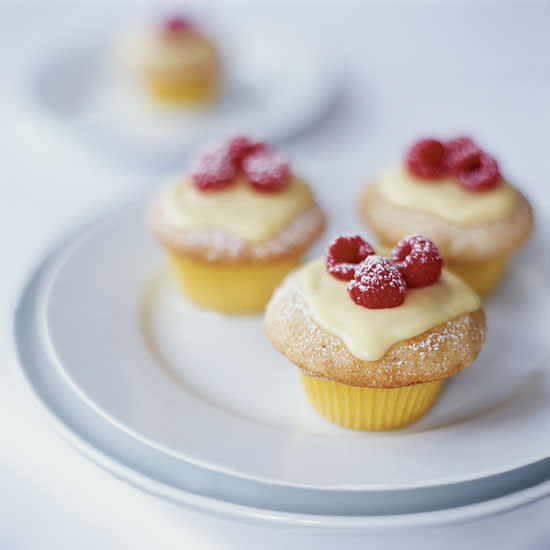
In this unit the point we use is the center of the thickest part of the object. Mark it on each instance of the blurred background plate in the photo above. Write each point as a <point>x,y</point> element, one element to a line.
<point>191,486</point>
<point>179,379</point>
<point>275,86</point>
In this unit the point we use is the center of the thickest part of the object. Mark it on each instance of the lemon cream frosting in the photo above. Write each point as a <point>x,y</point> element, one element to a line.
<point>369,333</point>
<point>155,50</point>
<point>446,198</point>
<point>252,215</point>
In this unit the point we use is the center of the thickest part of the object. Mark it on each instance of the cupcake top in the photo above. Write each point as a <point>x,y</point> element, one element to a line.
<point>375,302</point>
<point>446,198</point>
<point>455,180</point>
<point>365,320</point>
<point>243,199</point>
<point>173,44</point>
<point>453,192</point>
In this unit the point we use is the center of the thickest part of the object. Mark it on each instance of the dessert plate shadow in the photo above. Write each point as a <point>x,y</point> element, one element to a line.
<point>274,87</point>
<point>189,485</point>
<point>210,390</point>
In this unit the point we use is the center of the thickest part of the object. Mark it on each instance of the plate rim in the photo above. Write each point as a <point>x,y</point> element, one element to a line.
<point>241,512</point>
<point>205,504</point>
<point>73,237</point>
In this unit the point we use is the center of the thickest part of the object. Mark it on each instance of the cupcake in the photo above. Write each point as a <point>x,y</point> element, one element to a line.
<point>235,225</point>
<point>453,193</point>
<point>374,338</point>
<point>177,63</point>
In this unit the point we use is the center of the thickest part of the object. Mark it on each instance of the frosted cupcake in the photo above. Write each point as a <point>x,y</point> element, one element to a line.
<point>235,225</point>
<point>374,338</point>
<point>453,193</point>
<point>177,63</point>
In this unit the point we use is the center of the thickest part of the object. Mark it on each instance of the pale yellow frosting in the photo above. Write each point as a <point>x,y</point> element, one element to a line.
<point>154,50</point>
<point>252,215</point>
<point>446,198</point>
<point>368,333</point>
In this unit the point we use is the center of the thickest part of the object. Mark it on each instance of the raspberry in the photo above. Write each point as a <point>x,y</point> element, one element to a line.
<point>213,170</point>
<point>418,260</point>
<point>426,159</point>
<point>482,174</point>
<point>345,254</point>
<point>266,171</point>
<point>240,147</point>
<point>377,284</point>
<point>176,25</point>
<point>462,153</point>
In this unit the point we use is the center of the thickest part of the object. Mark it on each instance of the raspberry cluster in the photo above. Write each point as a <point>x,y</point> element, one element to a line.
<point>263,169</point>
<point>376,282</point>
<point>460,157</point>
<point>176,25</point>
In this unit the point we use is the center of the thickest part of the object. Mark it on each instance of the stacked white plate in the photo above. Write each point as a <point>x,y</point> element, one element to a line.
<point>86,90</point>
<point>198,408</point>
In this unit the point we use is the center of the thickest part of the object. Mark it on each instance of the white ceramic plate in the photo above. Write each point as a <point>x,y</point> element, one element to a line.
<point>210,389</point>
<point>192,486</point>
<point>275,86</point>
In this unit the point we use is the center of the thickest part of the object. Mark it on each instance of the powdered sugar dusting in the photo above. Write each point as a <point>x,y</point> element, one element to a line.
<point>456,242</point>
<point>377,284</point>
<point>267,171</point>
<point>213,170</point>
<point>378,271</point>
<point>433,355</point>
<point>216,245</point>
<point>418,260</point>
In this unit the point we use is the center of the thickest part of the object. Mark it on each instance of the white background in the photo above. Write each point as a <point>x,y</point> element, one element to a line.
<point>405,68</point>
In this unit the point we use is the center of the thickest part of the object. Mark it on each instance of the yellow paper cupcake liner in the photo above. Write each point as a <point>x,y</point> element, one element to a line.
<point>370,408</point>
<point>231,288</point>
<point>480,276</point>
<point>182,89</point>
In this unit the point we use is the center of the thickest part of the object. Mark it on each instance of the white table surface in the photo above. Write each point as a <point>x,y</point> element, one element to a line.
<point>477,66</point>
